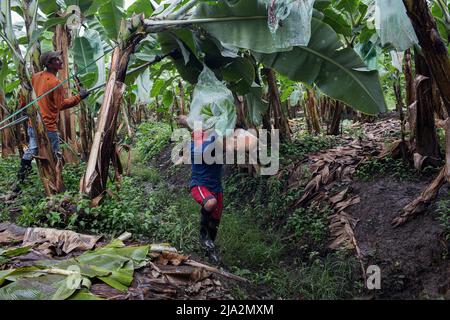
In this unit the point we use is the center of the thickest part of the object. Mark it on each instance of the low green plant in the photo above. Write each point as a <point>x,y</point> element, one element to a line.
<point>308,225</point>
<point>242,242</point>
<point>152,137</point>
<point>303,144</point>
<point>444,217</point>
<point>395,168</point>
<point>334,276</point>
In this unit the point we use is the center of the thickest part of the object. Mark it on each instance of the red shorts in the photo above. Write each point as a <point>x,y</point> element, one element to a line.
<point>201,194</point>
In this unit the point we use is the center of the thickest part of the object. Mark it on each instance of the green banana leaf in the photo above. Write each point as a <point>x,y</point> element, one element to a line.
<point>338,72</point>
<point>48,287</point>
<point>188,71</point>
<point>84,294</point>
<point>110,15</point>
<point>84,5</point>
<point>140,6</point>
<point>368,52</point>
<point>48,6</point>
<point>168,98</point>
<point>239,69</point>
<point>239,72</point>
<point>255,34</point>
<point>337,21</point>
<point>146,51</point>
<point>4,274</point>
<point>86,49</point>
<point>18,273</point>
<point>256,106</point>
<point>13,252</point>
<point>144,86</point>
<point>83,56</point>
<point>114,264</point>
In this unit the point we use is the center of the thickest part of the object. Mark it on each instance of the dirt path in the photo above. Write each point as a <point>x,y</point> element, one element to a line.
<point>411,257</point>
<point>414,257</point>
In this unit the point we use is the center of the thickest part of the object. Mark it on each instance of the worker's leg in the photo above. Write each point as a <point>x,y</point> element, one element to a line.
<point>208,219</point>
<point>216,215</point>
<point>25,164</point>
<point>53,137</point>
<point>209,203</point>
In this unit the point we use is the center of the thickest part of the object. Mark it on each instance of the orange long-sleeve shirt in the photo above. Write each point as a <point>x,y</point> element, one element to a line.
<point>54,102</point>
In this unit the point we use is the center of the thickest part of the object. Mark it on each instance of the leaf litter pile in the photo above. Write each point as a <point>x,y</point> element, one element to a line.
<point>329,175</point>
<point>42,264</point>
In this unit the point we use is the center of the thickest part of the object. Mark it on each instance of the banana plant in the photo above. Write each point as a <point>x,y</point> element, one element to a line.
<point>321,62</point>
<point>441,12</point>
<point>50,171</point>
<point>6,135</point>
<point>230,38</point>
<point>252,31</point>
<point>230,26</point>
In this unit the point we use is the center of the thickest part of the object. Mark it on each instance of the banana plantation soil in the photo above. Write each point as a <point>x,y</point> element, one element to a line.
<point>412,257</point>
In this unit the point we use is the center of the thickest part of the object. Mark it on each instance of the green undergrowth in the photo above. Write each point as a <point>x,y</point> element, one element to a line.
<point>262,237</point>
<point>140,204</point>
<point>302,144</point>
<point>395,168</point>
<point>280,248</point>
<point>443,214</point>
<point>151,138</point>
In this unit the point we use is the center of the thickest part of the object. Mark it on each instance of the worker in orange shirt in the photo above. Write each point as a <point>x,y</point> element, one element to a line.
<point>50,106</point>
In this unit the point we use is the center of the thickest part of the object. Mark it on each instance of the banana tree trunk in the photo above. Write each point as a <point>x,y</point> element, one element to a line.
<point>399,106</point>
<point>138,114</point>
<point>131,112</point>
<point>103,151</point>
<point>323,106</point>
<point>85,133</point>
<point>126,119</point>
<point>84,124</point>
<point>6,135</point>
<point>280,120</point>
<point>439,107</point>
<point>28,7</point>
<point>334,128</point>
<point>436,56</point>
<point>409,79</point>
<point>240,110</point>
<point>182,98</point>
<point>61,42</point>
<point>312,114</point>
<point>433,47</point>
<point>50,169</point>
<point>426,136</point>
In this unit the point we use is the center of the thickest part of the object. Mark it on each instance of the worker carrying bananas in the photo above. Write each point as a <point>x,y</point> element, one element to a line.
<point>50,105</point>
<point>206,189</point>
<point>206,178</point>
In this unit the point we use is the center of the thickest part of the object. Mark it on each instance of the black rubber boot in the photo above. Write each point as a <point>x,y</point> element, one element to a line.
<point>204,221</point>
<point>25,170</point>
<point>208,233</point>
<point>205,236</point>
<point>213,226</point>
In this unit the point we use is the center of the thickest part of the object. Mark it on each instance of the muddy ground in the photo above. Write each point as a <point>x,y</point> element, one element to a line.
<point>412,257</point>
